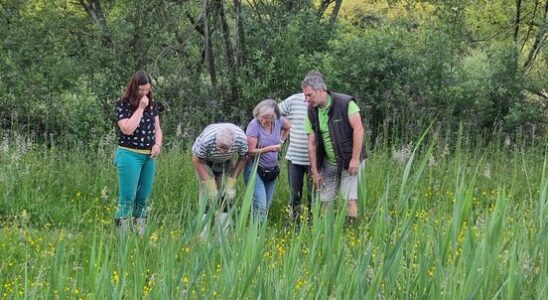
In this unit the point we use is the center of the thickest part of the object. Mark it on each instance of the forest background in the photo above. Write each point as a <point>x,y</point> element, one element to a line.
<point>453,201</point>
<point>481,63</point>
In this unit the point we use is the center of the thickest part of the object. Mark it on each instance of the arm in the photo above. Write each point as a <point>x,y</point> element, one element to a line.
<point>284,107</point>
<point>200,170</point>
<point>357,142</point>
<point>286,125</point>
<point>158,137</point>
<point>242,160</point>
<point>253,150</point>
<point>128,126</point>
<point>316,177</point>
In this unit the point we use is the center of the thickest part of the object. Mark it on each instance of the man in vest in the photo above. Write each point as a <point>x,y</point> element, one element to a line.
<point>335,142</point>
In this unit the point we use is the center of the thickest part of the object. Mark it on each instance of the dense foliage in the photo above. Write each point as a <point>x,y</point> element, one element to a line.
<point>480,63</point>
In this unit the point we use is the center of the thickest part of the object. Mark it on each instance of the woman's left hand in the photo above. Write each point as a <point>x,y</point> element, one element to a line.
<point>155,151</point>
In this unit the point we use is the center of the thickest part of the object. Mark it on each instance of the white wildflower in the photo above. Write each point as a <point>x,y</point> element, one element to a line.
<point>402,155</point>
<point>179,131</point>
<point>107,144</point>
<point>487,171</point>
<point>104,193</point>
<point>5,145</point>
<point>432,161</point>
<point>526,265</point>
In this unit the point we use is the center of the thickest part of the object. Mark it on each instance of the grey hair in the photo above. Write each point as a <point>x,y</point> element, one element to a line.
<point>266,107</point>
<point>314,79</point>
<point>225,136</point>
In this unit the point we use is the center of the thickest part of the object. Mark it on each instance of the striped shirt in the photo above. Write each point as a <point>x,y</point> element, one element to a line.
<point>295,109</point>
<point>205,146</point>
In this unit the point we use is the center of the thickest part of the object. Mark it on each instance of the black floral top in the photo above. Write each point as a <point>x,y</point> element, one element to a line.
<point>144,135</point>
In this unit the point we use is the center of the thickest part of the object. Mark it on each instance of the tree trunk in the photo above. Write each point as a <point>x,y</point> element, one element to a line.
<point>95,12</point>
<point>231,60</point>
<point>226,34</point>
<point>208,49</point>
<point>240,38</point>
<point>323,7</point>
<point>516,23</point>
<point>540,39</point>
<point>335,12</point>
<point>530,28</point>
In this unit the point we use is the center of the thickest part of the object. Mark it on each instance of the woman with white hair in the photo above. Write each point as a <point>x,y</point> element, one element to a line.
<point>265,135</point>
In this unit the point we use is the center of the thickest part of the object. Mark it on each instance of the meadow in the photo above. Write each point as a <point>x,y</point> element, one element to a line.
<point>441,218</point>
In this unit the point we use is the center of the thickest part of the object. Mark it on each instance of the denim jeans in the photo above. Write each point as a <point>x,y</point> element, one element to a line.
<point>262,194</point>
<point>135,177</point>
<point>296,174</point>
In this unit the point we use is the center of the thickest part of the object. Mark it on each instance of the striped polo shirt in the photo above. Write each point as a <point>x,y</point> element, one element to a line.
<point>295,109</point>
<point>205,146</point>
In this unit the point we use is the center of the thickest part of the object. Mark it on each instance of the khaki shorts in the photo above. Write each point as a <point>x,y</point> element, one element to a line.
<point>348,187</point>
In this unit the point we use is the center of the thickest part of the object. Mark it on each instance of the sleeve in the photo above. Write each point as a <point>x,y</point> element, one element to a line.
<point>352,108</point>
<point>285,107</point>
<point>243,148</point>
<point>253,129</point>
<point>197,148</point>
<point>122,111</point>
<point>284,122</point>
<point>307,125</point>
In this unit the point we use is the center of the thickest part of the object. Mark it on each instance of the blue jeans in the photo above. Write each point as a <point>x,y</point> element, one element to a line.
<point>135,177</point>
<point>262,194</point>
<point>296,174</point>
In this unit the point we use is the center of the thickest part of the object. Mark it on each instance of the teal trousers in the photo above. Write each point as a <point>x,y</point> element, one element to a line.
<point>135,178</point>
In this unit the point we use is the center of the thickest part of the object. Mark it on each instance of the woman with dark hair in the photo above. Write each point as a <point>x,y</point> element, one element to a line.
<point>139,143</point>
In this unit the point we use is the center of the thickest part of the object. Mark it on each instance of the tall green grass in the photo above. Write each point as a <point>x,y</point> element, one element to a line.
<point>437,221</point>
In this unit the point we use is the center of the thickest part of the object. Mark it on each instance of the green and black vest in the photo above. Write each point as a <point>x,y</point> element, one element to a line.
<point>340,131</point>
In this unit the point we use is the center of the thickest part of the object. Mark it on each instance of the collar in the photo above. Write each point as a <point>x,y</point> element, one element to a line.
<point>328,105</point>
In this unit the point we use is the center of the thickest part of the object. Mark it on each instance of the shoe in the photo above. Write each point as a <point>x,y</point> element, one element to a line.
<point>123,226</point>
<point>205,229</point>
<point>139,224</point>
<point>223,221</point>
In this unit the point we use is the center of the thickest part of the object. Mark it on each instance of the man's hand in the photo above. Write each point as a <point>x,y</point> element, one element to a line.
<point>230,189</point>
<point>316,179</point>
<point>211,188</point>
<point>353,167</point>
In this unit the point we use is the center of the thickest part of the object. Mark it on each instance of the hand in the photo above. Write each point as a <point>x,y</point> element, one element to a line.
<point>210,188</point>
<point>143,103</point>
<point>273,148</point>
<point>353,167</point>
<point>230,189</point>
<point>155,151</point>
<point>316,179</point>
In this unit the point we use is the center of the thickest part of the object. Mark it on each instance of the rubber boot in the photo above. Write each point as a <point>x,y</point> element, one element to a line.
<point>123,226</point>
<point>139,225</point>
<point>223,222</point>
<point>205,230</point>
